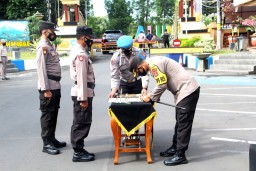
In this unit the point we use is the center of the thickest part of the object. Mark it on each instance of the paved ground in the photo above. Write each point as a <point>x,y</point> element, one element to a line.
<point>224,126</point>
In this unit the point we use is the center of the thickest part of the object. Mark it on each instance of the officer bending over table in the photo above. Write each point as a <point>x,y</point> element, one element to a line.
<point>173,77</point>
<point>49,75</point>
<point>82,93</point>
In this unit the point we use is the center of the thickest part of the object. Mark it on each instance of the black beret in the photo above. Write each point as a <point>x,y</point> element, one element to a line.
<point>47,25</point>
<point>84,30</point>
<point>134,63</point>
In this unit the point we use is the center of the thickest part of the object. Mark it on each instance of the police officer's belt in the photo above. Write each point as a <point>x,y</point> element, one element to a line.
<point>89,85</point>
<point>53,77</point>
<point>129,81</point>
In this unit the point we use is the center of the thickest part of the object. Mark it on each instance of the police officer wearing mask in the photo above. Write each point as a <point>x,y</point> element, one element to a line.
<point>82,93</point>
<point>49,75</point>
<point>173,77</point>
<point>122,80</point>
<point>3,59</point>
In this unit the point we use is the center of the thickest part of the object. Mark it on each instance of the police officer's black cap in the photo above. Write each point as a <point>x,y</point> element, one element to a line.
<point>84,30</point>
<point>134,63</point>
<point>47,25</point>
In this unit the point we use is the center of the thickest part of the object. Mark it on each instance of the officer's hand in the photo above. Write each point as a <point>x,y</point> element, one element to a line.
<point>145,98</point>
<point>84,105</point>
<point>112,94</point>
<point>144,92</point>
<point>48,94</point>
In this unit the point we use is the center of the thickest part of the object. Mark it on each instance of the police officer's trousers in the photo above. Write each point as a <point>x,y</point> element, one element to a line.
<point>4,66</point>
<point>49,109</point>
<point>131,88</point>
<point>184,120</point>
<point>82,120</point>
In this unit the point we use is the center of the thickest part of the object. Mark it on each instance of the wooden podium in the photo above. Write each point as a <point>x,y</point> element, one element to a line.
<point>132,145</point>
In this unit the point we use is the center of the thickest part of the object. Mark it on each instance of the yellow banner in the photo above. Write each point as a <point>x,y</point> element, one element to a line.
<point>18,44</point>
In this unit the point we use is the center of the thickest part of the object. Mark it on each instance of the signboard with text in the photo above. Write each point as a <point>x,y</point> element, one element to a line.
<point>16,33</point>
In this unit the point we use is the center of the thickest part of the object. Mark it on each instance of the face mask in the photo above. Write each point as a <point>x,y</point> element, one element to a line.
<point>52,36</point>
<point>127,52</point>
<point>4,44</point>
<point>87,41</point>
<point>144,73</point>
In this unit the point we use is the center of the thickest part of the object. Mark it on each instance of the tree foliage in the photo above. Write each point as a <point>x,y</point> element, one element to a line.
<point>33,25</point>
<point>20,9</point>
<point>165,11</point>
<point>119,14</point>
<point>99,25</point>
<point>143,9</point>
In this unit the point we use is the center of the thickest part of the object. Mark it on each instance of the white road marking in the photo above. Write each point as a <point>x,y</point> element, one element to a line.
<point>227,103</point>
<point>233,95</point>
<point>227,111</point>
<point>228,88</point>
<point>232,129</point>
<point>232,140</point>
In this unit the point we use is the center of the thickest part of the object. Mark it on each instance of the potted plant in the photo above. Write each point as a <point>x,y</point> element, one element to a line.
<point>251,22</point>
<point>209,46</point>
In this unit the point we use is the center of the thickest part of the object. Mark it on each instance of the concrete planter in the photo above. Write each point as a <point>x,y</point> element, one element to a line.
<point>202,60</point>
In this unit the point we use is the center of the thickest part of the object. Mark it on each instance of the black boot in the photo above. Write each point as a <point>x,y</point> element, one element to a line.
<point>49,147</point>
<point>178,158</point>
<point>58,144</point>
<point>82,156</point>
<point>169,152</point>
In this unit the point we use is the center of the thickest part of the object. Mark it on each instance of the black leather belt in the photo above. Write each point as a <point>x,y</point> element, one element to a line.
<point>53,77</point>
<point>89,84</point>
<point>129,81</point>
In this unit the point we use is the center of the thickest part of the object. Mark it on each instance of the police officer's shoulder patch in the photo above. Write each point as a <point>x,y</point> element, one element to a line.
<point>80,57</point>
<point>44,50</point>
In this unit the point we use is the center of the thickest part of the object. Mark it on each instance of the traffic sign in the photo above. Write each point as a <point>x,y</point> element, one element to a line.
<point>176,43</point>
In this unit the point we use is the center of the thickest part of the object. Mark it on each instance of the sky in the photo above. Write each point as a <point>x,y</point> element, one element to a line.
<point>99,8</point>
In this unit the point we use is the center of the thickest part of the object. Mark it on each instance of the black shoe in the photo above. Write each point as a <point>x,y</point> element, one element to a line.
<point>169,152</point>
<point>5,78</point>
<point>91,154</point>
<point>178,158</point>
<point>82,156</point>
<point>50,149</point>
<point>58,144</point>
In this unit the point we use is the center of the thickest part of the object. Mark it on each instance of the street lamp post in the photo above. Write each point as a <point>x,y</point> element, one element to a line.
<point>218,26</point>
<point>186,17</point>
<point>85,11</point>
<point>48,4</point>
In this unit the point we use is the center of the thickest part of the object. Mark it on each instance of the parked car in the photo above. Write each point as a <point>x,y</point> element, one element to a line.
<point>109,40</point>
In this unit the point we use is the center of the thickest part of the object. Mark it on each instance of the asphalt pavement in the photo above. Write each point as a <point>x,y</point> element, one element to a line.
<point>223,129</point>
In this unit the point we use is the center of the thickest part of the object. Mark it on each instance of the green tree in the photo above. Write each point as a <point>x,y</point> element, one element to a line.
<point>3,5</point>
<point>143,9</point>
<point>119,14</point>
<point>20,9</point>
<point>33,25</point>
<point>165,11</point>
<point>99,25</point>
<point>89,8</point>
